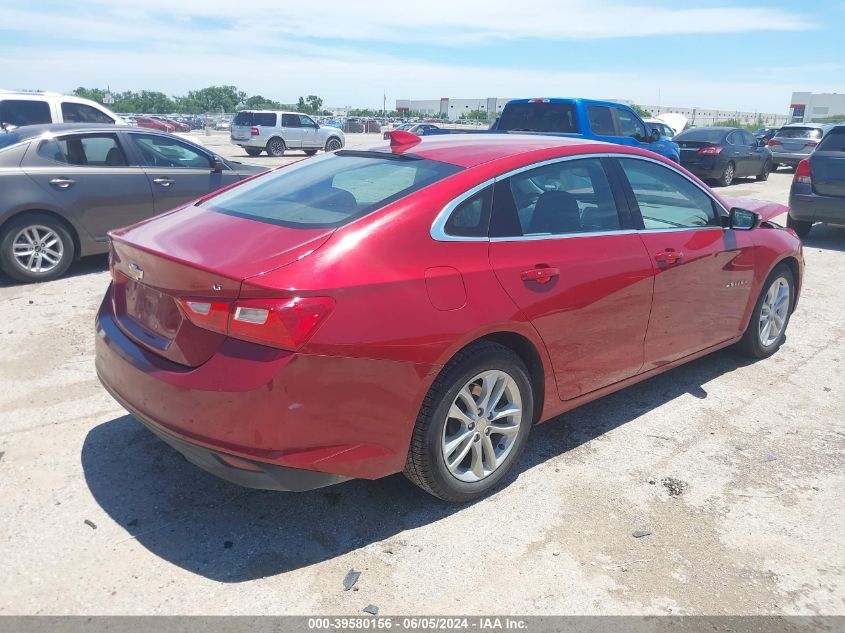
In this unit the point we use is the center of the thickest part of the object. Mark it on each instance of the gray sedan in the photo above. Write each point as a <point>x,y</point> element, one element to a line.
<point>64,187</point>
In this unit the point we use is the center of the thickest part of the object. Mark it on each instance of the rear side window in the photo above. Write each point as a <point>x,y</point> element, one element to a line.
<point>601,120</point>
<point>24,112</point>
<point>471,217</point>
<point>538,117</point>
<point>96,150</point>
<point>834,141</point>
<point>330,191</point>
<point>667,200</point>
<point>82,113</point>
<point>562,198</point>
<point>265,119</point>
<point>800,132</point>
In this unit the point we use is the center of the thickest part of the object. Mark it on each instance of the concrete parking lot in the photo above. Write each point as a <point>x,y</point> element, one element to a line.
<point>735,469</point>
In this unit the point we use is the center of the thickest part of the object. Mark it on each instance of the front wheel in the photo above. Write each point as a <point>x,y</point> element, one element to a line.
<point>473,424</point>
<point>801,227</point>
<point>764,175</point>
<point>36,247</point>
<point>727,176</point>
<point>767,329</point>
<point>333,144</point>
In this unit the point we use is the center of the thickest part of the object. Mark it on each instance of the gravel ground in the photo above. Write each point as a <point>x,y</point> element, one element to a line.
<point>735,470</point>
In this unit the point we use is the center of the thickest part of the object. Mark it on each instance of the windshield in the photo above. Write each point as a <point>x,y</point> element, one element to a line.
<point>702,136</point>
<point>538,117</point>
<point>9,138</point>
<point>330,191</point>
<point>800,132</point>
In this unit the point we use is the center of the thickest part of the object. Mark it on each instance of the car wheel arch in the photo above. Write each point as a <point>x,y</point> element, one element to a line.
<point>71,228</point>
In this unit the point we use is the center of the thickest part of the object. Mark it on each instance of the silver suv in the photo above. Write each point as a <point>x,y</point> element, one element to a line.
<point>275,132</point>
<point>795,142</point>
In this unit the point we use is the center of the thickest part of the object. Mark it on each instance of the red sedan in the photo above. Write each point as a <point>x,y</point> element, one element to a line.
<point>418,307</point>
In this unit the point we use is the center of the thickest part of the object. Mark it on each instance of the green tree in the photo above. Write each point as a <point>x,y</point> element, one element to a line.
<point>257,102</point>
<point>639,110</point>
<point>479,114</point>
<point>95,94</point>
<point>211,99</point>
<point>312,104</point>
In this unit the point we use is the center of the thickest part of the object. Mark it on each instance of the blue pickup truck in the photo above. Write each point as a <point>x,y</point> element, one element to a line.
<point>584,118</point>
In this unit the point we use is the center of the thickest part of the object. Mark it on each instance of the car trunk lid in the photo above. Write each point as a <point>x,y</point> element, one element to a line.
<point>689,151</point>
<point>154,265</point>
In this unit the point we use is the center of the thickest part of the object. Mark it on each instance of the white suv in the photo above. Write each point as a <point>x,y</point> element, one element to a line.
<point>33,108</point>
<point>275,131</point>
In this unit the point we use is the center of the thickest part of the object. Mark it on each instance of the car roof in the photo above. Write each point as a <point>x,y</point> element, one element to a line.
<point>33,131</point>
<point>819,126</point>
<point>567,100</point>
<point>471,150</point>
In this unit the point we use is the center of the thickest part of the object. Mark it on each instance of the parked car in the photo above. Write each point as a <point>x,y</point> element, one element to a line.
<point>584,118</point>
<point>795,142</point>
<point>724,153</point>
<point>276,132</point>
<point>420,129</point>
<point>660,126</point>
<point>64,187</point>
<point>154,124</point>
<point>818,187</point>
<point>34,108</point>
<point>178,126</point>
<point>418,307</point>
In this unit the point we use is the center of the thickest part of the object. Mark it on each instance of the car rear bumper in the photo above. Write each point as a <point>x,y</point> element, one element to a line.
<point>705,170</point>
<point>785,158</point>
<point>257,415</point>
<point>254,141</point>
<point>815,208</point>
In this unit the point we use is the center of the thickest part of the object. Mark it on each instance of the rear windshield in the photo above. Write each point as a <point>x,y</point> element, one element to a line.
<point>701,136</point>
<point>8,138</point>
<point>20,112</point>
<point>330,191</point>
<point>834,141</point>
<point>800,132</point>
<point>538,117</point>
<point>255,118</point>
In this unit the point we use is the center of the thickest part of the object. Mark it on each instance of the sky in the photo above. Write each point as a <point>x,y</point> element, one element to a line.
<point>745,55</point>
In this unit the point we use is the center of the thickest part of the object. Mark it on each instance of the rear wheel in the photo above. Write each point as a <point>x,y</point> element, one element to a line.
<point>253,151</point>
<point>276,147</point>
<point>801,227</point>
<point>767,168</point>
<point>473,424</point>
<point>767,329</point>
<point>727,176</point>
<point>36,247</point>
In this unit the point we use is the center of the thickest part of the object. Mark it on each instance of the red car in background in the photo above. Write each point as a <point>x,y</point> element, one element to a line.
<point>154,124</point>
<point>418,307</point>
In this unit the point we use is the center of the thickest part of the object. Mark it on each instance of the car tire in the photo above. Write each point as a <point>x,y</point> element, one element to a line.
<point>276,147</point>
<point>253,151</point>
<point>50,241</point>
<point>801,227</point>
<point>333,144</point>
<point>310,152</point>
<point>446,421</point>
<point>728,175</point>
<point>773,307</point>
<point>767,169</point>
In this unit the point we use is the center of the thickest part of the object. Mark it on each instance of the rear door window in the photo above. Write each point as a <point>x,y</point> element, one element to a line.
<point>92,150</point>
<point>83,113</point>
<point>538,117</point>
<point>601,120</point>
<point>329,191</point>
<point>165,151</point>
<point>290,120</point>
<point>20,112</point>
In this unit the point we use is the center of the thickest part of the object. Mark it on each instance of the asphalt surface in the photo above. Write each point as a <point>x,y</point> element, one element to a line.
<point>736,471</point>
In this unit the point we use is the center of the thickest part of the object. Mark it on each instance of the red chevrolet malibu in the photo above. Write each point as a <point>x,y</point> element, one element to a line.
<point>419,306</point>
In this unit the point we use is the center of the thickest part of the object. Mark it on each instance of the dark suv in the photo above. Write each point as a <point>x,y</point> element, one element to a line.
<point>818,187</point>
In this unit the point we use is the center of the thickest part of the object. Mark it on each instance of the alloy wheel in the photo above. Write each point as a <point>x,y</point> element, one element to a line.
<point>482,426</point>
<point>37,248</point>
<point>774,311</point>
<point>333,145</point>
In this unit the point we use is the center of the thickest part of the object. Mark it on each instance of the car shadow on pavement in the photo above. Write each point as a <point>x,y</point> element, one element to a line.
<point>827,237</point>
<point>231,534</point>
<point>85,266</point>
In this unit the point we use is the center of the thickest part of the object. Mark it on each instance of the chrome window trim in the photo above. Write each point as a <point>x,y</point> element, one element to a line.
<point>439,234</point>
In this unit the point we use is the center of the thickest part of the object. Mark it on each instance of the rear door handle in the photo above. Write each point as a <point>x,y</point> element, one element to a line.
<point>62,183</point>
<point>164,182</point>
<point>669,257</point>
<point>540,274</point>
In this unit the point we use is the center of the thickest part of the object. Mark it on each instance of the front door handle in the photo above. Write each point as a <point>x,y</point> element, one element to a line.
<point>540,274</point>
<point>164,182</point>
<point>62,183</point>
<point>669,257</point>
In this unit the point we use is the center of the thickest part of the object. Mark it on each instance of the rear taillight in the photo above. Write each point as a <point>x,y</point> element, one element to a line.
<point>710,151</point>
<point>773,142</point>
<point>254,131</point>
<point>282,323</point>
<point>803,173</point>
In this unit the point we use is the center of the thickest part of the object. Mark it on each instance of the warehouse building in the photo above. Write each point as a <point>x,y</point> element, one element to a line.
<point>806,106</point>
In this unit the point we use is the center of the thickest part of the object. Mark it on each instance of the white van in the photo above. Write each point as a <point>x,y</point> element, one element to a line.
<point>32,108</point>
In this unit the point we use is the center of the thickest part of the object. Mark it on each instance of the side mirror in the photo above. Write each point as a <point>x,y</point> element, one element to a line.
<point>216,165</point>
<point>743,219</point>
<point>655,135</point>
